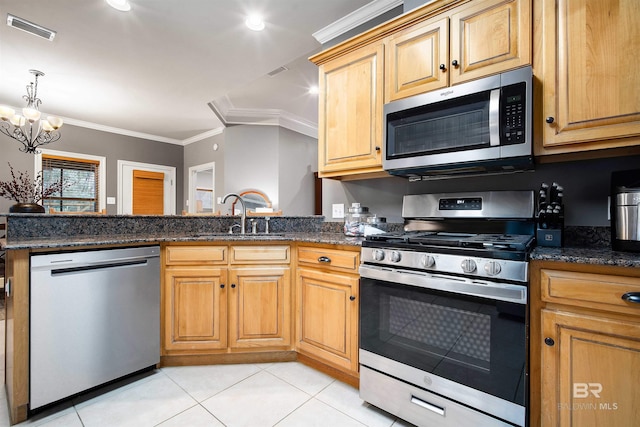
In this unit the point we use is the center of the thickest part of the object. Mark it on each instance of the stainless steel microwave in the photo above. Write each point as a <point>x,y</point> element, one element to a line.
<point>481,126</point>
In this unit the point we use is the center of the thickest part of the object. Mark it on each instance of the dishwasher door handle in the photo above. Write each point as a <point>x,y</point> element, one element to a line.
<point>108,265</point>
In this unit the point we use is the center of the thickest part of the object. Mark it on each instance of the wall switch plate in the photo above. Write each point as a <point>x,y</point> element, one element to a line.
<point>338,210</point>
<point>111,200</point>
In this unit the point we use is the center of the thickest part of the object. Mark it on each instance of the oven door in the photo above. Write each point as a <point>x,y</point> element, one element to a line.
<point>461,338</point>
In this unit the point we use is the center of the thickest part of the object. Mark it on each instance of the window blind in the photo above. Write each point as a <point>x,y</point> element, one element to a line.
<point>80,179</point>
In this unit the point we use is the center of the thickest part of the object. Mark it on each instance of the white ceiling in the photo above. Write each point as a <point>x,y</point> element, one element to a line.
<point>153,71</point>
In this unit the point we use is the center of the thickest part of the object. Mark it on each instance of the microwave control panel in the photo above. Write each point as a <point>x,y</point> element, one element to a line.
<point>513,114</point>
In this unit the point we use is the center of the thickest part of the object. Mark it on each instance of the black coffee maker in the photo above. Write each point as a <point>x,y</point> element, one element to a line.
<point>625,210</point>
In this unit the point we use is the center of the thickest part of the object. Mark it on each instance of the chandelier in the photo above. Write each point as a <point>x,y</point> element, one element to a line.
<point>28,129</point>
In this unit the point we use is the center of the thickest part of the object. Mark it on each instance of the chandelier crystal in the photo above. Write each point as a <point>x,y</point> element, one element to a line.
<point>27,128</point>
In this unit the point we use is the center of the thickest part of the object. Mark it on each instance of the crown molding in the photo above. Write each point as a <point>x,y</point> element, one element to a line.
<point>355,18</point>
<point>229,115</point>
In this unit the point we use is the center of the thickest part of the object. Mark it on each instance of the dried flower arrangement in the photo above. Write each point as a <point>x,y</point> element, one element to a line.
<point>22,189</point>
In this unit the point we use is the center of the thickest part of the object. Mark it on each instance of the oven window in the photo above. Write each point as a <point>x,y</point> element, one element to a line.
<point>473,341</point>
<point>459,124</point>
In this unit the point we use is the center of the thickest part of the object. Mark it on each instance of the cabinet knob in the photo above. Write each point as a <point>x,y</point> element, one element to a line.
<point>352,298</point>
<point>454,62</point>
<point>632,297</point>
<point>550,120</point>
<point>324,259</point>
<point>442,67</point>
<point>233,285</point>
<point>222,286</point>
<point>549,341</point>
<point>377,148</point>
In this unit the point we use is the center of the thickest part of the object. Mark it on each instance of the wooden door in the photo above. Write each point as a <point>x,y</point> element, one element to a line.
<point>489,37</point>
<point>590,370</point>
<point>590,94</point>
<point>350,118</point>
<point>327,317</point>
<point>417,60</point>
<point>260,307</point>
<point>148,192</point>
<point>195,309</point>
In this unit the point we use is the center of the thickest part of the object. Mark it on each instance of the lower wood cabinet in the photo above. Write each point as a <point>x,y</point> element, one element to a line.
<point>223,299</point>
<point>260,307</point>
<point>585,345</point>
<point>327,307</point>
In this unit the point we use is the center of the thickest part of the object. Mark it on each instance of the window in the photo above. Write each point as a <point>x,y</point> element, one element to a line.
<point>83,181</point>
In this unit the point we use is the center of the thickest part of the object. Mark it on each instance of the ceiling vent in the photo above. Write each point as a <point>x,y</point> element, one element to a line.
<point>30,27</point>
<point>277,71</point>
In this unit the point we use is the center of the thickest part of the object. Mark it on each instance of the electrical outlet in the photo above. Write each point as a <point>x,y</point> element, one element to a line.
<point>338,210</point>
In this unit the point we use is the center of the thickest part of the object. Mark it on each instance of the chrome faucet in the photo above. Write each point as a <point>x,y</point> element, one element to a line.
<point>244,211</point>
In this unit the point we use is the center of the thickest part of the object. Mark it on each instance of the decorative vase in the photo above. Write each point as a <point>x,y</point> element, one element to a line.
<point>26,208</point>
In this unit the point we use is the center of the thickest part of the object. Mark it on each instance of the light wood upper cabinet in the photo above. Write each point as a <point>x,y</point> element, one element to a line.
<point>590,98</point>
<point>470,41</point>
<point>350,118</point>
<point>489,37</point>
<point>417,60</point>
<point>260,307</point>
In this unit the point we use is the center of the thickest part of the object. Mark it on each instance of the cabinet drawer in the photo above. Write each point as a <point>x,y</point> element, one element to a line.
<point>600,291</point>
<point>187,255</point>
<point>330,258</point>
<point>260,255</point>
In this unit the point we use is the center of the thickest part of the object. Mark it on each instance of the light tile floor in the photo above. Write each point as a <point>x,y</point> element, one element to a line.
<point>256,395</point>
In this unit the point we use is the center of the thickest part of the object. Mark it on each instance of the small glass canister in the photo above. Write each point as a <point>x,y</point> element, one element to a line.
<point>355,220</point>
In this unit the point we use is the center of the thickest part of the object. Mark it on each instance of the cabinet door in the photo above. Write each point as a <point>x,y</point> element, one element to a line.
<point>350,116</point>
<point>489,37</point>
<point>417,60</point>
<point>327,317</point>
<point>195,309</point>
<point>260,307</point>
<point>590,371</point>
<point>590,91</point>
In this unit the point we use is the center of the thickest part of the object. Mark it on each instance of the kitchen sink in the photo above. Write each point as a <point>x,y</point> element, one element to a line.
<point>238,236</point>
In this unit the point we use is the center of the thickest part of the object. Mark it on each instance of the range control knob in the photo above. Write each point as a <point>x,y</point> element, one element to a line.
<point>395,256</point>
<point>492,268</point>
<point>468,265</point>
<point>428,261</point>
<point>378,254</point>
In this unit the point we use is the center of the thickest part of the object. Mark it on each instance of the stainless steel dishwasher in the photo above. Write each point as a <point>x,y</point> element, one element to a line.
<point>95,317</point>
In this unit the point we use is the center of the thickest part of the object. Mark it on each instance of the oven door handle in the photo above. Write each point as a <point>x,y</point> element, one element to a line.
<point>458,285</point>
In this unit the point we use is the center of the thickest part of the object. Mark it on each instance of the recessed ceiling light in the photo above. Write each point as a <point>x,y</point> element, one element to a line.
<point>313,90</point>
<point>122,5</point>
<point>255,22</point>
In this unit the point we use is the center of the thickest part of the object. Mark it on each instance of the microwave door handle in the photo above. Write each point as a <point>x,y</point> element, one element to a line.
<point>494,118</point>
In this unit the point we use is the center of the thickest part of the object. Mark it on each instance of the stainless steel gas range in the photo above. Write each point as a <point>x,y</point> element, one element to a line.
<point>443,310</point>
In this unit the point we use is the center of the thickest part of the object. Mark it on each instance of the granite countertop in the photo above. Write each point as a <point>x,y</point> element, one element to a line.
<point>85,240</point>
<point>587,255</point>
